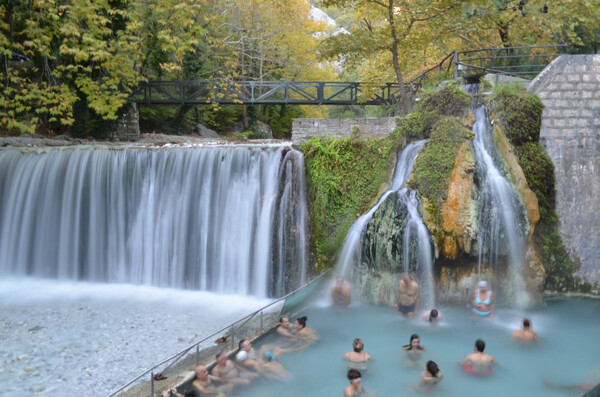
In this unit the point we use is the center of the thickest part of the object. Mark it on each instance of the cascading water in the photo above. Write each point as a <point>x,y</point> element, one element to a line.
<point>198,218</point>
<point>417,246</point>
<point>417,249</point>
<point>292,222</point>
<point>502,225</point>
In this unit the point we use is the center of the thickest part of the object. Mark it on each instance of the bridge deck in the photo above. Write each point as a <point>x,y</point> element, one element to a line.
<point>266,93</point>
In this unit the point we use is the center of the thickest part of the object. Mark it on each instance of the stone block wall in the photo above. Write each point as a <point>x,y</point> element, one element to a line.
<point>570,90</point>
<point>303,129</point>
<point>127,126</point>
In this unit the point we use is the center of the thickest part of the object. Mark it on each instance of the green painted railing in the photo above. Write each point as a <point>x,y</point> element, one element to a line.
<point>526,62</point>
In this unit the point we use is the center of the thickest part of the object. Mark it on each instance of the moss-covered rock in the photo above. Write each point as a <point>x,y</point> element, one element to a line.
<point>519,117</point>
<point>520,113</point>
<point>459,220</point>
<point>449,101</point>
<point>434,165</point>
<point>343,179</point>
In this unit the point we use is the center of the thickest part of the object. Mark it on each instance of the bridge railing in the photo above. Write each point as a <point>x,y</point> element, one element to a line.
<point>524,61</point>
<point>265,92</point>
<point>252,325</point>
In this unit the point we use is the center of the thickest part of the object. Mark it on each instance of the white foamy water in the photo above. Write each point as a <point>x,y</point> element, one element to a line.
<point>89,339</point>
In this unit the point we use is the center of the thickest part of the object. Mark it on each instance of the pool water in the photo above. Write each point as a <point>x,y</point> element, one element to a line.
<point>568,353</point>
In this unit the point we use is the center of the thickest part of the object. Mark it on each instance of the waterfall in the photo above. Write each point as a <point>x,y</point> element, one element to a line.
<point>502,219</point>
<point>404,165</point>
<point>417,247</point>
<point>203,218</point>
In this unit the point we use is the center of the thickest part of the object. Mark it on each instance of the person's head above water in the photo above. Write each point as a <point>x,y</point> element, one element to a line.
<point>301,322</point>
<point>433,314</point>
<point>414,343</point>
<point>284,321</point>
<point>358,345</point>
<point>482,285</point>
<point>221,358</point>
<point>479,345</point>
<point>353,374</point>
<point>432,368</point>
<point>268,355</point>
<point>339,280</point>
<point>526,323</point>
<point>406,278</point>
<point>201,372</point>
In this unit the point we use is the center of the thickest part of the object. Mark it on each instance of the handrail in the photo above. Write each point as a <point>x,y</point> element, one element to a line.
<point>245,319</point>
<point>512,48</point>
<point>438,66</point>
<point>511,61</point>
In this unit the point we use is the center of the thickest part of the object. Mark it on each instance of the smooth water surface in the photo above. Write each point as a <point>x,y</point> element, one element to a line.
<point>568,353</point>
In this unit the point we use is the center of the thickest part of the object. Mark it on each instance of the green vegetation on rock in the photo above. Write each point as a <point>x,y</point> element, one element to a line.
<point>449,101</point>
<point>519,112</point>
<point>343,178</point>
<point>440,117</point>
<point>344,175</point>
<point>433,167</point>
<point>520,115</point>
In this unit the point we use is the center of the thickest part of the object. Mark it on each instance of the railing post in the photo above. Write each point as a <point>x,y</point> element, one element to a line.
<point>197,355</point>
<point>151,383</point>
<point>321,93</point>
<point>455,61</point>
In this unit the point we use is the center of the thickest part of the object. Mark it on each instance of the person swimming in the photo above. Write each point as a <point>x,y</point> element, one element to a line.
<point>478,363</point>
<point>340,292</point>
<point>413,351</point>
<point>270,367</point>
<point>408,297</point>
<point>483,301</point>
<point>431,377</point>
<point>305,332</point>
<point>358,359</point>
<point>355,388</point>
<point>525,334</point>
<point>432,316</point>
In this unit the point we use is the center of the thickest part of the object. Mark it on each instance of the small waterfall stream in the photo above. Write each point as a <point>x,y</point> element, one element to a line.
<point>503,222</point>
<point>416,235</point>
<point>404,165</point>
<point>208,218</point>
<point>416,242</point>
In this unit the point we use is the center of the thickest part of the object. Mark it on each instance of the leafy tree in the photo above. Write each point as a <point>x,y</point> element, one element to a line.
<point>391,32</point>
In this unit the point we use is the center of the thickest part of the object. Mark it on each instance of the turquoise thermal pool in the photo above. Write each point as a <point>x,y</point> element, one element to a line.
<point>568,353</point>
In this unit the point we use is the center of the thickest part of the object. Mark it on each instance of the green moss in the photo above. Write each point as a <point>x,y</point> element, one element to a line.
<point>416,125</point>
<point>539,172</point>
<point>520,113</point>
<point>343,178</point>
<point>433,167</point>
<point>558,264</point>
<point>449,101</point>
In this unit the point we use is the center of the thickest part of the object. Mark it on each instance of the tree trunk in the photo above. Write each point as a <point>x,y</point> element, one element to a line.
<point>179,117</point>
<point>404,106</point>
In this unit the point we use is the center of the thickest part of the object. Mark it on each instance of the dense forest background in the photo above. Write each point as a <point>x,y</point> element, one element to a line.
<point>68,66</point>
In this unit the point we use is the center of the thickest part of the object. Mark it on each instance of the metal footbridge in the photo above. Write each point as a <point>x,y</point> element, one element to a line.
<point>524,62</point>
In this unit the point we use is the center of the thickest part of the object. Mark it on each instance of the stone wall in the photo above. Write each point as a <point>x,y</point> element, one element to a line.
<point>303,129</point>
<point>127,126</point>
<point>570,90</point>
